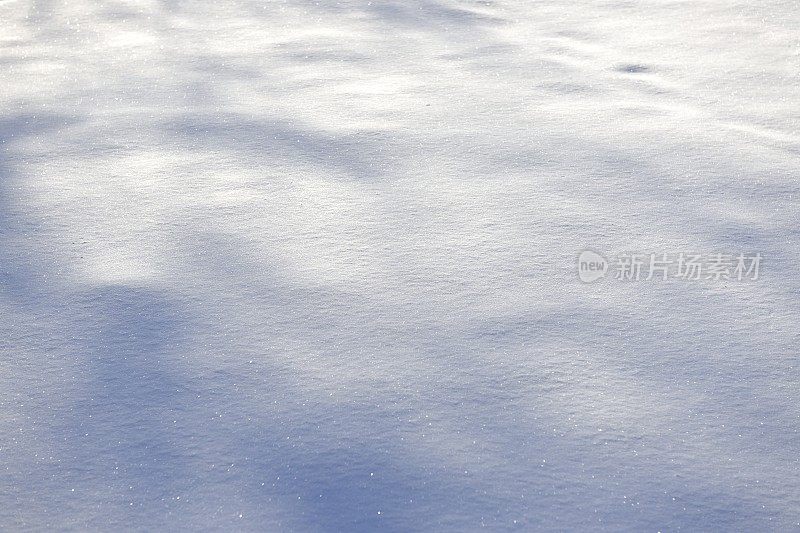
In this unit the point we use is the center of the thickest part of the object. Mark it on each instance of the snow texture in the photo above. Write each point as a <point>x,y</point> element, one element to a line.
<point>310,266</point>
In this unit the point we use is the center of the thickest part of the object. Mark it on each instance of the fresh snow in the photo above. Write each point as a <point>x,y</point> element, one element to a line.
<point>303,265</point>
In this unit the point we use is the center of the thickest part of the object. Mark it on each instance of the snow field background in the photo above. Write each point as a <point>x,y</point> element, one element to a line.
<point>310,266</point>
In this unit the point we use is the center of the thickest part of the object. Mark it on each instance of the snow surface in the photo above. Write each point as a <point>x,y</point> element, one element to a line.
<point>310,266</point>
